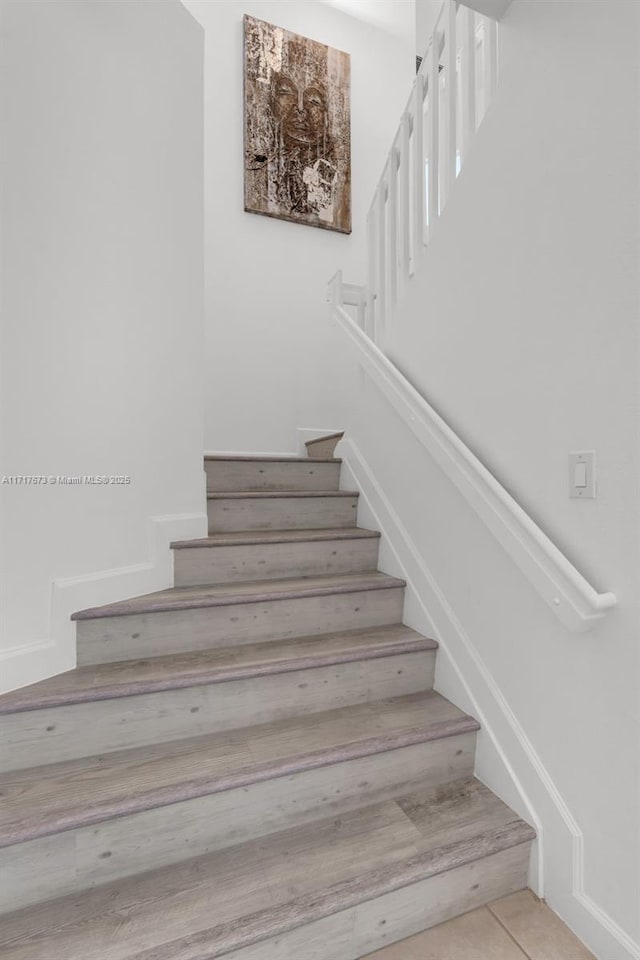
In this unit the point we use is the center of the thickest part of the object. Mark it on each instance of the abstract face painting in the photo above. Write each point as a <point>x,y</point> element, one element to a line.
<point>297,141</point>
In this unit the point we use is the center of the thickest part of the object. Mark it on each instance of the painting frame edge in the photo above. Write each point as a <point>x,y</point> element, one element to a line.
<point>289,218</point>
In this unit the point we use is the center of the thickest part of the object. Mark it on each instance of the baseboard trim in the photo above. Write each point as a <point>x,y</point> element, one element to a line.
<point>509,740</point>
<point>28,663</point>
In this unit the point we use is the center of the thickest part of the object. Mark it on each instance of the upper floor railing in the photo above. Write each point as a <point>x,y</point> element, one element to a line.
<point>450,97</point>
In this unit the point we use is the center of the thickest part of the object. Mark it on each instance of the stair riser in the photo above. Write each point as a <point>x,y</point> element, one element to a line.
<point>281,513</point>
<point>223,475</point>
<point>269,561</point>
<point>34,737</point>
<point>376,923</point>
<point>107,639</point>
<point>77,859</point>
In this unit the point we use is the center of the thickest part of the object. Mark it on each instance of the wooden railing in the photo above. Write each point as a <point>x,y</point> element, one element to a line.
<point>450,97</point>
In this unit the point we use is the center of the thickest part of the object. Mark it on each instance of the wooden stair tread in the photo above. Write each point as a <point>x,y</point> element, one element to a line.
<point>304,535</point>
<point>130,677</point>
<point>259,458</point>
<point>277,494</point>
<point>254,591</point>
<point>220,902</point>
<point>48,799</point>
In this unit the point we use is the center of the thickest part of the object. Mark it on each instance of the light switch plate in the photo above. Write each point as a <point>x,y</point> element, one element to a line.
<point>582,475</point>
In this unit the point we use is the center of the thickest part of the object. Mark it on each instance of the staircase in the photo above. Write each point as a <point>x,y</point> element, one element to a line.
<point>252,764</point>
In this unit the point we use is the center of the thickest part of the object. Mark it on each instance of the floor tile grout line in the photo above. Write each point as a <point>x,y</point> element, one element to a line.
<point>509,934</point>
<point>476,910</point>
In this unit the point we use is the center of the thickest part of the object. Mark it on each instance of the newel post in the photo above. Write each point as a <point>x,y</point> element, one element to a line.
<point>335,296</point>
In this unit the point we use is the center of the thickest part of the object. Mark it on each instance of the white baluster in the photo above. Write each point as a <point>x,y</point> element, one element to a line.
<point>449,118</point>
<point>381,300</point>
<point>362,308</point>
<point>418,186</point>
<point>434,133</point>
<point>468,79</point>
<point>393,226</point>
<point>405,200</point>
<point>490,59</point>
<point>372,271</point>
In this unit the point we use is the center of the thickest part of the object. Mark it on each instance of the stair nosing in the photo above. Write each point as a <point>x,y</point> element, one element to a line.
<point>259,458</point>
<point>258,772</point>
<point>226,674</point>
<point>341,586</point>
<point>275,921</point>
<point>266,537</point>
<point>280,494</point>
<point>323,439</point>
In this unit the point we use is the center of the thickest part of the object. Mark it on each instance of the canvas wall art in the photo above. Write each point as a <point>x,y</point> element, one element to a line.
<point>297,139</point>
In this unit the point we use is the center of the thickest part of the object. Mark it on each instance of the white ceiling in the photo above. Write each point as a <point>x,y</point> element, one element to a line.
<point>398,17</point>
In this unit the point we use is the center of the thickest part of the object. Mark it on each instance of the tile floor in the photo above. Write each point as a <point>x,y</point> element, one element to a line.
<point>518,927</point>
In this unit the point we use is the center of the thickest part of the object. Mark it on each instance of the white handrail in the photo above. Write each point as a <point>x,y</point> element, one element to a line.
<point>572,598</point>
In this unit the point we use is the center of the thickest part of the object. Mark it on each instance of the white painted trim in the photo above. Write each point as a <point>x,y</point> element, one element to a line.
<point>443,624</point>
<point>571,598</point>
<point>27,663</point>
<point>498,721</point>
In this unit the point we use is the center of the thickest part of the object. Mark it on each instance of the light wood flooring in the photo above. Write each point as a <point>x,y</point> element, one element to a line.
<point>518,927</point>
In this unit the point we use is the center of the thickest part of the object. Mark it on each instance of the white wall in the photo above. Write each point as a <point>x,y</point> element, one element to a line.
<point>427,13</point>
<point>394,16</point>
<point>102,308</point>
<point>521,328</point>
<point>272,361</point>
